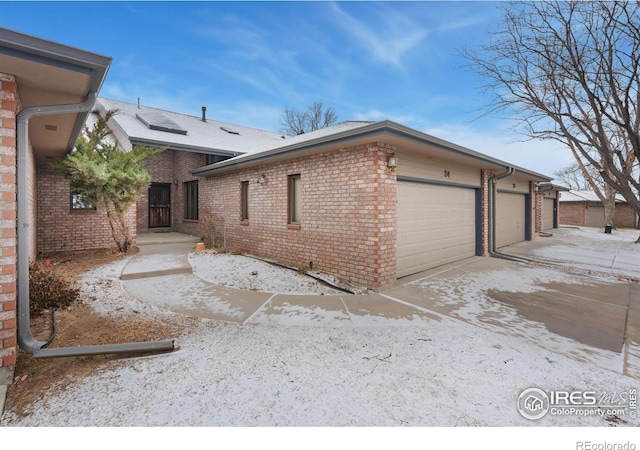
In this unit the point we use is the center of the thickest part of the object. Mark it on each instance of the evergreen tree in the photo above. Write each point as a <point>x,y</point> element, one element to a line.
<point>101,172</point>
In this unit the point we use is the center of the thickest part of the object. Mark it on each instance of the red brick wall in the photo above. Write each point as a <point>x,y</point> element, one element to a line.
<point>62,229</point>
<point>348,225</point>
<point>625,216</point>
<point>9,106</point>
<point>539,208</point>
<point>486,222</point>
<point>573,213</point>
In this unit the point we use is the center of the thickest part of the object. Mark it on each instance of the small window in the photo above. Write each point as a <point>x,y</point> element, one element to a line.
<point>295,199</point>
<point>191,200</point>
<point>82,201</point>
<point>244,200</point>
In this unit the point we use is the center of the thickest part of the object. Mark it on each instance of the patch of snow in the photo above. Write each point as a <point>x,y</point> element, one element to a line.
<point>183,293</point>
<point>299,315</point>
<point>441,372</point>
<point>244,272</point>
<point>507,280</point>
<point>103,292</point>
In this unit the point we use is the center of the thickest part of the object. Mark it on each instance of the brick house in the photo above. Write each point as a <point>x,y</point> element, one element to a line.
<point>368,202</point>
<point>583,208</point>
<point>46,91</point>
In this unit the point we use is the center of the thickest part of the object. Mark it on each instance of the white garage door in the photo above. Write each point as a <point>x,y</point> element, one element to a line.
<point>436,225</point>
<point>510,219</point>
<point>548,212</point>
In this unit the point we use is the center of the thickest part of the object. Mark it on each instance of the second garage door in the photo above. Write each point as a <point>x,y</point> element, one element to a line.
<point>595,216</point>
<point>510,218</point>
<point>548,213</point>
<point>436,225</point>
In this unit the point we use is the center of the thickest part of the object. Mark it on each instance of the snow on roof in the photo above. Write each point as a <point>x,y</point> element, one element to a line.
<point>208,137</point>
<point>584,196</point>
<point>241,143</point>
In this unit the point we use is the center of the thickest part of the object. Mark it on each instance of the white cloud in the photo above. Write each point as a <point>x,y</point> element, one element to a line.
<point>388,41</point>
<point>544,157</point>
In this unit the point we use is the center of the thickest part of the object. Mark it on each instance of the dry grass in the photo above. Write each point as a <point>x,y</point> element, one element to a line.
<point>78,325</point>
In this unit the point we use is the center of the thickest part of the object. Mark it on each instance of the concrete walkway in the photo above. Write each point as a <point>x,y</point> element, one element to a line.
<point>600,317</point>
<point>160,274</point>
<point>160,254</point>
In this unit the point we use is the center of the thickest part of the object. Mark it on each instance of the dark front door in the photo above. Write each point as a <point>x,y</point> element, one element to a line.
<point>159,205</point>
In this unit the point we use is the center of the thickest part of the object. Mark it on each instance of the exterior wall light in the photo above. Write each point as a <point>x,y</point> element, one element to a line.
<point>262,179</point>
<point>392,163</point>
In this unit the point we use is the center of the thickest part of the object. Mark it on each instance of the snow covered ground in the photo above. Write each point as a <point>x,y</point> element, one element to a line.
<point>244,272</point>
<point>432,372</point>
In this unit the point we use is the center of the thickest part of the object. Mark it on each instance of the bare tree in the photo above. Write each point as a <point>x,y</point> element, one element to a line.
<point>294,121</point>
<point>572,177</point>
<point>570,71</point>
<point>580,177</point>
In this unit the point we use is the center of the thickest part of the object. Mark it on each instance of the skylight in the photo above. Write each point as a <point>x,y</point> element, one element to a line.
<point>155,120</point>
<point>228,130</point>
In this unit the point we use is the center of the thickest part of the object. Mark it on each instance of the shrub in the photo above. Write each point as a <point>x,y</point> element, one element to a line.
<point>48,290</point>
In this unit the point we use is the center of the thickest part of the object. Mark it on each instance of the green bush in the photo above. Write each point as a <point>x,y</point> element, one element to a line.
<point>48,290</point>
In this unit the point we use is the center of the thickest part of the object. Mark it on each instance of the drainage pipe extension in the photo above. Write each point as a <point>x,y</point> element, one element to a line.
<point>492,206</point>
<point>26,340</point>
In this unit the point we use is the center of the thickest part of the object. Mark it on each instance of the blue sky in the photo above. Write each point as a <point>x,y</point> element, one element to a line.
<point>247,61</point>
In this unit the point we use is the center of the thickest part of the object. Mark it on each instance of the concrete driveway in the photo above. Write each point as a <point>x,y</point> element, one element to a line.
<point>592,319</point>
<point>580,297</point>
<point>585,248</point>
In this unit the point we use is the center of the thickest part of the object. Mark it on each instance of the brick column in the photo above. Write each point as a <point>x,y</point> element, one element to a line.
<point>539,199</point>
<point>486,220</point>
<point>8,109</point>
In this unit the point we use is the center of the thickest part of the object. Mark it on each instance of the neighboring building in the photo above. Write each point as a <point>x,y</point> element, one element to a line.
<point>548,206</point>
<point>583,208</point>
<point>368,202</point>
<point>35,76</point>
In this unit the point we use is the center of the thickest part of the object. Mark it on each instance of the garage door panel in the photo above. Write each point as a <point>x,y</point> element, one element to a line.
<point>436,225</point>
<point>548,213</point>
<point>595,216</point>
<point>510,218</point>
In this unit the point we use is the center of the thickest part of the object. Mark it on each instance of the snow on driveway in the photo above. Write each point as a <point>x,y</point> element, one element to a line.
<point>437,371</point>
<point>468,296</point>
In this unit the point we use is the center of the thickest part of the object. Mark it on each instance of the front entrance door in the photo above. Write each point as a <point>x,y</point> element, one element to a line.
<point>159,205</point>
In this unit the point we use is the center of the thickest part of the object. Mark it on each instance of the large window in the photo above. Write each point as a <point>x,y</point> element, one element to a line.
<point>295,199</point>
<point>244,201</point>
<point>191,200</point>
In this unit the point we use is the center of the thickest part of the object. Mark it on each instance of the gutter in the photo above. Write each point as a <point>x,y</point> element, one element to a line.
<point>26,340</point>
<point>492,217</point>
<point>370,131</point>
